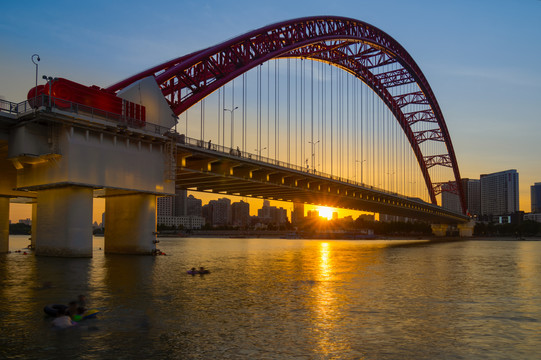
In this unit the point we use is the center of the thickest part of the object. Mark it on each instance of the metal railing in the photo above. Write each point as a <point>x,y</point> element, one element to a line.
<point>209,146</point>
<point>46,103</point>
<point>15,108</point>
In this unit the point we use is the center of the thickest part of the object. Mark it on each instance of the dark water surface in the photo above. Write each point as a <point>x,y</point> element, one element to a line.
<point>281,299</point>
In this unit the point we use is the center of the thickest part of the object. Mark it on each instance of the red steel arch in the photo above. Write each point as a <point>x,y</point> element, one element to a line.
<point>353,45</point>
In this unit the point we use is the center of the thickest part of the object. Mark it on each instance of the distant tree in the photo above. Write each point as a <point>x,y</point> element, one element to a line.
<point>19,229</point>
<point>530,228</point>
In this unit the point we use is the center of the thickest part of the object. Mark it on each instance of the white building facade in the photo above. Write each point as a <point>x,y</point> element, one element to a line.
<point>499,193</point>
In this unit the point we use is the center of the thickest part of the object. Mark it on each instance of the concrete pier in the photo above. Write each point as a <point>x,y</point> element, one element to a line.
<point>34,230</point>
<point>466,229</point>
<point>439,229</point>
<point>130,224</point>
<point>64,226</point>
<point>4,224</point>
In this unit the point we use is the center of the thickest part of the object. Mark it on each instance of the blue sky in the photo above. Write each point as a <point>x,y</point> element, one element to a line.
<point>481,57</point>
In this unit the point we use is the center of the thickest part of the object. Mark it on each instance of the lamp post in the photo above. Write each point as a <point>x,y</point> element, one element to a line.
<point>359,161</point>
<point>50,80</point>
<point>232,123</point>
<point>313,154</point>
<point>391,182</point>
<point>259,152</point>
<point>36,63</point>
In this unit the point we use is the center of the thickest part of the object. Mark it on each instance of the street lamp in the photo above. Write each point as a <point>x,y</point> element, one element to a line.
<point>391,182</point>
<point>313,154</point>
<point>259,152</point>
<point>50,80</point>
<point>232,123</point>
<point>35,63</point>
<point>361,162</point>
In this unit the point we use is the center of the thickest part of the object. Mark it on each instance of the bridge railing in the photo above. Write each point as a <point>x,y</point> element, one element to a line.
<point>15,108</point>
<point>44,102</point>
<point>209,146</point>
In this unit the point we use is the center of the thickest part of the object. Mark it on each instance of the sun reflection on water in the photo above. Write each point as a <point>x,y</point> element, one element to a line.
<point>327,314</point>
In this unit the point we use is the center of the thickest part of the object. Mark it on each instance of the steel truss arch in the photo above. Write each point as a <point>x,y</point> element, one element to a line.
<point>352,45</point>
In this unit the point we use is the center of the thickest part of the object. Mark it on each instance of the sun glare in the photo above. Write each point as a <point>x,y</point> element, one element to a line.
<point>325,212</point>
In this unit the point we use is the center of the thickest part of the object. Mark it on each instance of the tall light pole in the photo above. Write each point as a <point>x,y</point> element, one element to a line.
<point>232,123</point>
<point>313,153</point>
<point>259,152</point>
<point>36,63</point>
<point>391,182</point>
<point>360,161</point>
<point>50,80</point>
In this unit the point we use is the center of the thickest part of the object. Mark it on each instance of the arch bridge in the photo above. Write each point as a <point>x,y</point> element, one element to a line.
<point>326,126</point>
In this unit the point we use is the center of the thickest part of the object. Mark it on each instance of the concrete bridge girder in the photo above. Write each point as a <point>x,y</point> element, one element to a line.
<point>292,180</point>
<point>224,167</point>
<point>277,178</point>
<point>204,165</point>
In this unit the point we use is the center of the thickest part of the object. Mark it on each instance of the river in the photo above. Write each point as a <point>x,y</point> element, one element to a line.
<point>280,299</point>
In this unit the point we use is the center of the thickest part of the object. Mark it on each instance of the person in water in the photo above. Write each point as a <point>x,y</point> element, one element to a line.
<point>81,302</point>
<point>202,270</point>
<point>62,321</point>
<point>74,311</point>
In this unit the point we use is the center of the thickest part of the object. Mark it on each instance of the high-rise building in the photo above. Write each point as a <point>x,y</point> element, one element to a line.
<point>265,212</point>
<point>271,214</point>
<point>193,206</point>
<point>207,213</point>
<point>536,198</point>
<point>450,200</point>
<point>499,193</point>
<point>174,210</point>
<point>472,188</point>
<point>165,206</point>
<point>180,200</point>
<point>240,213</point>
<point>297,215</point>
<point>472,193</point>
<point>221,211</point>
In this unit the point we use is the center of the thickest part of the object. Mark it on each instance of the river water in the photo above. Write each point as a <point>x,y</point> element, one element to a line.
<point>281,299</point>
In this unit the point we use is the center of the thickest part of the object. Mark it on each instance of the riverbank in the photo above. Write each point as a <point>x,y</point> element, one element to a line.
<point>265,234</point>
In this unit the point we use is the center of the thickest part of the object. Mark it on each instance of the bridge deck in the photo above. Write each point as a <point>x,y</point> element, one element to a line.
<point>228,171</point>
<point>198,166</point>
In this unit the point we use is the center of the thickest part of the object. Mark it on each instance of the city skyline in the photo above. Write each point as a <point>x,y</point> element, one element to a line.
<point>483,91</point>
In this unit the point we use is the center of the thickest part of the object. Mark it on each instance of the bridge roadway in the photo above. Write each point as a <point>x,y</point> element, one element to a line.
<point>229,171</point>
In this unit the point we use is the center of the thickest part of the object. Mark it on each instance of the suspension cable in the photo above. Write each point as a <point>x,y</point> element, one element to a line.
<point>288,110</point>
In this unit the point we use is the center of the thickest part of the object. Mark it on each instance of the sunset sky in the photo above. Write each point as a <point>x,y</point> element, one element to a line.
<point>481,58</point>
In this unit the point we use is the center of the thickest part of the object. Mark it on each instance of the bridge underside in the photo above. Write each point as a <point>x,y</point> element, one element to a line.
<point>233,173</point>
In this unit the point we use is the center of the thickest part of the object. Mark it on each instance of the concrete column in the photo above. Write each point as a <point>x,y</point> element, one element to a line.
<point>439,229</point>
<point>4,224</point>
<point>34,231</point>
<point>130,224</point>
<point>64,222</point>
<point>466,229</point>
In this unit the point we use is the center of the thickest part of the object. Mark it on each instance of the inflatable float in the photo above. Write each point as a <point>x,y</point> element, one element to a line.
<point>52,310</point>
<point>198,272</point>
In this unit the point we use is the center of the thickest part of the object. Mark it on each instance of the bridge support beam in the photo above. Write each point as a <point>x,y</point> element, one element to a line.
<point>466,229</point>
<point>64,222</point>
<point>130,224</point>
<point>439,229</point>
<point>4,224</point>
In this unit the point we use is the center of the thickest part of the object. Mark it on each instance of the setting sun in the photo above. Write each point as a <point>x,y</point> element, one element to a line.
<point>325,212</point>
